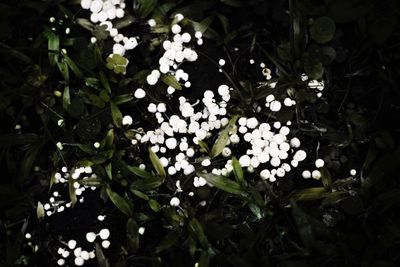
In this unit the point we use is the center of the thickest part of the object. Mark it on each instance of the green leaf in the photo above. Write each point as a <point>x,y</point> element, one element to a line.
<point>132,235</point>
<point>73,66</point>
<point>313,67</point>
<point>155,160</point>
<point>53,46</point>
<point>104,82</point>
<point>308,194</point>
<point>40,211</point>
<point>124,22</point>
<point>203,25</point>
<point>121,99</point>
<point>326,177</point>
<point>238,171</point>
<point>139,172</point>
<point>63,67</point>
<point>223,183</point>
<point>140,194</point>
<point>168,241</point>
<point>121,203</point>
<point>116,114</point>
<point>85,23</point>
<point>323,29</point>
<point>255,209</point>
<point>223,137</point>
<point>28,160</point>
<point>233,3</point>
<point>101,259</point>
<point>154,205</point>
<point>71,191</point>
<point>108,169</point>
<point>196,229</point>
<point>146,7</point>
<point>170,80</point>
<point>108,140</point>
<point>203,147</point>
<point>147,184</point>
<point>66,100</point>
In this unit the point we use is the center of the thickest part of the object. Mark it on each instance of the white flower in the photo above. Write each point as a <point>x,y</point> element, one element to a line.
<point>244,161</point>
<point>90,237</point>
<point>161,107</point>
<point>141,230</point>
<point>120,13</point>
<point>306,174</point>
<point>105,244</point>
<point>127,120</point>
<point>300,155</point>
<point>61,262</point>
<point>270,98</point>
<point>139,93</point>
<point>152,108</point>
<point>176,29</point>
<point>353,172</point>
<point>85,255</point>
<point>119,49</point>
<point>179,17</point>
<point>171,143</point>
<point>221,62</point>
<point>287,102</point>
<point>151,79</point>
<point>198,35</point>
<point>295,142</point>
<point>275,106</point>
<point>252,123</point>
<point>188,169</point>
<point>319,163</point>
<point>206,162</point>
<point>152,22</point>
<point>316,174</point>
<point>104,233</point>
<point>265,174</point>
<point>275,161</point>
<point>186,37</point>
<point>79,261</point>
<point>174,202</point>
<point>171,170</point>
<point>96,6</point>
<point>226,152</point>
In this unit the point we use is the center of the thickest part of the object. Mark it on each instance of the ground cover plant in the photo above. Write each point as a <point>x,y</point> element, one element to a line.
<point>199,133</point>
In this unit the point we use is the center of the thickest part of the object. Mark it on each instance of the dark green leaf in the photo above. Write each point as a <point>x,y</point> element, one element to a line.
<point>155,160</point>
<point>121,203</point>
<point>116,114</point>
<point>223,183</point>
<point>170,80</point>
<point>323,29</point>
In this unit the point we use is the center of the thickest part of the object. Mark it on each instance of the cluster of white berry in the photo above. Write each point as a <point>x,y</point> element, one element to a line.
<point>176,52</point>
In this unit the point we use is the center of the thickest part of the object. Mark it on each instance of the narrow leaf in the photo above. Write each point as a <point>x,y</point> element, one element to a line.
<point>170,80</point>
<point>121,203</point>
<point>155,160</point>
<point>116,114</point>
<point>238,171</point>
<point>223,183</point>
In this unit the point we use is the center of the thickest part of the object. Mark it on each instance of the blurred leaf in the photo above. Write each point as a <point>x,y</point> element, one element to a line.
<point>238,171</point>
<point>63,67</point>
<point>155,160</point>
<point>223,183</point>
<point>196,229</point>
<point>308,194</point>
<point>223,137</point>
<point>104,82</point>
<point>204,147</point>
<point>73,66</point>
<point>139,194</point>
<point>28,160</point>
<point>100,32</point>
<point>170,80</point>
<point>40,211</point>
<point>108,169</point>
<point>101,259</point>
<point>168,241</point>
<point>71,190</point>
<point>66,98</point>
<point>313,67</point>
<point>116,115</point>
<point>326,177</point>
<point>204,260</point>
<point>323,29</point>
<point>53,46</point>
<point>139,172</point>
<point>132,235</point>
<point>154,205</point>
<point>146,7</point>
<point>121,203</point>
<point>233,3</point>
<point>124,22</point>
<point>147,184</point>
<point>85,23</point>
